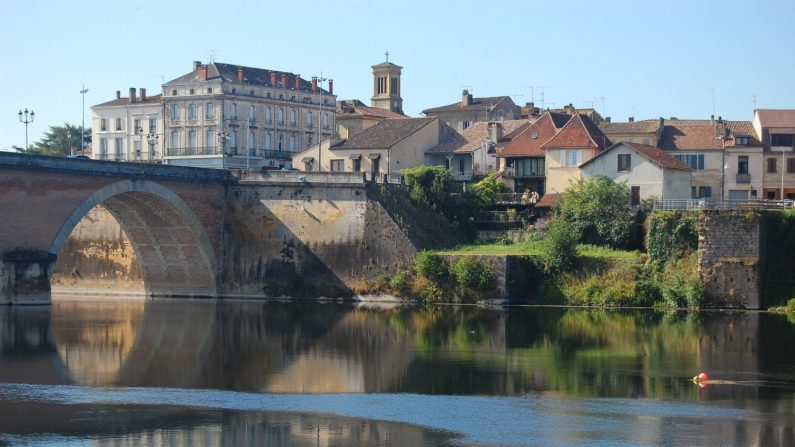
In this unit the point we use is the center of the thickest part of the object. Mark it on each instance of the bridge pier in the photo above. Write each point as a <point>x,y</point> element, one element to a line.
<point>25,277</point>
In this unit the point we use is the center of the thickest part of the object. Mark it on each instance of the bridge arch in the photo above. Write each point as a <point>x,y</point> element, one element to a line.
<point>170,243</point>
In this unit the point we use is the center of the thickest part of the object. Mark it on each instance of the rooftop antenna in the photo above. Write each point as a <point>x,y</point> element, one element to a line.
<point>713,102</point>
<point>542,87</point>
<point>588,102</point>
<point>602,98</point>
<point>754,97</point>
<point>532,94</point>
<point>211,53</point>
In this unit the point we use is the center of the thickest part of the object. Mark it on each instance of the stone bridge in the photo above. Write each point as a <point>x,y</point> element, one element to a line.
<point>196,232</point>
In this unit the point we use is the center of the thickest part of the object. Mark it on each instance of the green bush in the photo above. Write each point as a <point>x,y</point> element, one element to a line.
<point>671,235</point>
<point>680,284</point>
<point>559,248</point>
<point>401,282</point>
<point>472,274</point>
<point>431,265</point>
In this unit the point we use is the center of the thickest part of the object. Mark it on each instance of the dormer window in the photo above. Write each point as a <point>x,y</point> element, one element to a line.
<point>741,141</point>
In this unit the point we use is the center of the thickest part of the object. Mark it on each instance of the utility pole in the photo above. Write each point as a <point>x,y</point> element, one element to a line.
<point>83,126</point>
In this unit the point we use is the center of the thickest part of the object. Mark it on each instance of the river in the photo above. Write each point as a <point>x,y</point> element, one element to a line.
<point>181,372</point>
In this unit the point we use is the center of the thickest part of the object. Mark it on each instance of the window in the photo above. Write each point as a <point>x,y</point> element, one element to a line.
<point>175,139</point>
<point>309,139</point>
<point>292,144</point>
<point>694,161</point>
<point>337,165</point>
<point>137,148</point>
<point>781,140</point>
<point>325,120</point>
<point>375,166</point>
<point>192,140</point>
<point>173,93</point>
<point>624,162</point>
<point>464,125</point>
<point>267,114</point>
<point>308,119</point>
<point>280,116</point>
<point>233,111</point>
<point>281,142</point>
<point>233,141</point>
<point>118,145</point>
<point>103,124</point>
<point>191,111</point>
<point>174,112</point>
<point>357,165</point>
<point>704,192</point>
<point>192,91</point>
<point>771,195</point>
<point>790,165</point>
<point>103,147</point>
<point>292,117</point>
<point>251,143</point>
<point>209,111</point>
<point>268,141</point>
<point>570,157</point>
<point>693,192</point>
<point>209,89</point>
<point>210,139</point>
<point>741,141</point>
<point>252,113</point>
<point>771,165</point>
<point>118,123</point>
<point>742,164</point>
<point>137,126</point>
<point>534,135</point>
<point>152,125</point>
<point>635,199</point>
<point>529,167</point>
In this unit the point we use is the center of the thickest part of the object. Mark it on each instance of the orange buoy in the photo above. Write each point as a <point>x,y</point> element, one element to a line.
<point>703,377</point>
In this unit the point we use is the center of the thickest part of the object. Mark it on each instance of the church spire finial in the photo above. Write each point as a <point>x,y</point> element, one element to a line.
<point>387,55</point>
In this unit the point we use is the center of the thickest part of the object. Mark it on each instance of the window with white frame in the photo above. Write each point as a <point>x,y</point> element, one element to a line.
<point>251,142</point>
<point>103,147</point>
<point>252,113</point>
<point>209,111</point>
<point>337,165</point>
<point>210,139</point>
<point>280,116</point>
<point>191,111</point>
<point>175,139</point>
<point>174,112</point>
<point>118,124</point>
<point>152,125</point>
<point>267,140</point>
<point>325,120</point>
<point>137,125</point>
<point>308,119</point>
<point>118,147</point>
<point>292,143</point>
<point>624,162</point>
<point>292,117</point>
<point>103,124</point>
<point>694,161</point>
<point>192,140</point>
<point>570,157</point>
<point>233,111</point>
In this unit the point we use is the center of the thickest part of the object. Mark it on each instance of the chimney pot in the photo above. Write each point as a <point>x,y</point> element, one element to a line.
<point>118,94</point>
<point>132,95</point>
<point>631,119</point>
<point>240,74</point>
<point>298,82</point>
<point>284,81</point>
<point>273,79</point>
<point>202,72</point>
<point>330,86</point>
<point>314,83</point>
<point>607,119</point>
<point>143,94</point>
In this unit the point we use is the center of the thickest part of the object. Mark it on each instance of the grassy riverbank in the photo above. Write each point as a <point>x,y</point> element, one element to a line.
<point>535,248</point>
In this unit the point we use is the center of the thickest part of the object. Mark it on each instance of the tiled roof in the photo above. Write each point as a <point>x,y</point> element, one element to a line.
<point>776,117</point>
<point>126,101</point>
<point>357,108</point>
<point>474,136</point>
<point>685,135</point>
<point>251,75</point>
<point>524,145</point>
<point>386,65</point>
<point>384,135</point>
<point>548,200</point>
<point>643,126</point>
<point>477,104</point>
<point>744,129</point>
<point>579,132</point>
<point>653,154</point>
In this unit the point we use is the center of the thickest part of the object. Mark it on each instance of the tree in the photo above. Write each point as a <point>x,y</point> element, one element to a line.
<point>599,211</point>
<point>428,184</point>
<point>60,141</point>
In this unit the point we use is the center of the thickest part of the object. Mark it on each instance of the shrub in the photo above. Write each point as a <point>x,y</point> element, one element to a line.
<point>671,235</point>
<point>431,265</point>
<point>559,249</point>
<point>472,274</point>
<point>426,290</point>
<point>680,284</point>
<point>400,282</point>
<point>614,285</point>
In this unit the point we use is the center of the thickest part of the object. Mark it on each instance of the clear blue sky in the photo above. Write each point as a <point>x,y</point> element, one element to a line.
<point>650,58</point>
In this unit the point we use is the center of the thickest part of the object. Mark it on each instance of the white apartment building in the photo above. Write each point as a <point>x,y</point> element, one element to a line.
<point>229,116</point>
<point>128,129</point>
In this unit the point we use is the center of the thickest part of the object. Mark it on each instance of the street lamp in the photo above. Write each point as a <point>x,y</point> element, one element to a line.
<point>223,135</point>
<point>27,120</point>
<point>151,138</point>
<point>83,126</point>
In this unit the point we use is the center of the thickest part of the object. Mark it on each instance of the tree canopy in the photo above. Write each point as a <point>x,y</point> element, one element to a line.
<point>599,211</point>
<point>60,141</point>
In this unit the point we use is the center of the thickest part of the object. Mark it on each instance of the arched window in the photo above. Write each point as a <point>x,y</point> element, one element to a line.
<point>292,117</point>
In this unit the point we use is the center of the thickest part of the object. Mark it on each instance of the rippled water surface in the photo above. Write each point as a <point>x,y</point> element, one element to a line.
<point>286,374</point>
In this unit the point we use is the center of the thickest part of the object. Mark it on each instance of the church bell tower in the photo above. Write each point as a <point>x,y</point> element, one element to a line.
<point>386,87</point>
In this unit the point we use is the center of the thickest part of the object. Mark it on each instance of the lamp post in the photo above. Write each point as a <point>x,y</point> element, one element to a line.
<point>223,135</point>
<point>83,126</point>
<point>28,118</point>
<point>151,138</point>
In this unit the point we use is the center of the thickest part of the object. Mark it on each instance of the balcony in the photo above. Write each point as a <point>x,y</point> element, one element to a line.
<point>189,151</point>
<point>743,177</point>
<point>512,172</point>
<point>462,176</point>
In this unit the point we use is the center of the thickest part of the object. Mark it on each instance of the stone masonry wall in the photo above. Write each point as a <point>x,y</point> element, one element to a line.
<point>729,255</point>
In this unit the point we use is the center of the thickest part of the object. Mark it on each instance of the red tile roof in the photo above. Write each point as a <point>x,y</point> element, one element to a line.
<point>524,145</point>
<point>579,132</point>
<point>776,117</point>
<point>356,107</point>
<point>653,154</point>
<point>548,200</point>
<point>681,135</point>
<point>474,137</point>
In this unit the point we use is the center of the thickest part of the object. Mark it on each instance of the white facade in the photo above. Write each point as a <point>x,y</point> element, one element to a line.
<point>650,178</point>
<point>128,130</point>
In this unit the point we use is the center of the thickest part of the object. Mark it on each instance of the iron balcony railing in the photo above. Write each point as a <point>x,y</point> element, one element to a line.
<point>743,177</point>
<point>512,172</point>
<point>716,204</point>
<point>239,152</point>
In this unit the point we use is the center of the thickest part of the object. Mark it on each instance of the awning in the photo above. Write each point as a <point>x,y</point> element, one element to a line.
<point>356,156</point>
<point>308,159</point>
<point>373,156</point>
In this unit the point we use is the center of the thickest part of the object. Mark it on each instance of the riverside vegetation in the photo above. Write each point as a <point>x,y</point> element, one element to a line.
<point>594,250</point>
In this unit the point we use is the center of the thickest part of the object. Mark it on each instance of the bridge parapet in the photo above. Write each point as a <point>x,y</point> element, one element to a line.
<point>298,177</point>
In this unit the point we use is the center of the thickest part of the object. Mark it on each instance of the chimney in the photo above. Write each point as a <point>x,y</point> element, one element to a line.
<point>196,65</point>
<point>240,74</point>
<point>607,119</point>
<point>273,79</point>
<point>202,72</point>
<point>495,131</point>
<point>569,109</point>
<point>330,86</point>
<point>132,95</point>
<point>662,122</point>
<point>284,81</point>
<point>314,83</point>
<point>143,94</point>
<point>118,94</point>
<point>466,98</point>
<point>298,82</point>
<point>631,119</point>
